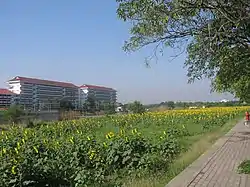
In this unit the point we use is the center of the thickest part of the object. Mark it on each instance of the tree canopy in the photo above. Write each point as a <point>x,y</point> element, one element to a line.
<point>215,34</point>
<point>136,107</point>
<point>170,104</point>
<point>66,105</point>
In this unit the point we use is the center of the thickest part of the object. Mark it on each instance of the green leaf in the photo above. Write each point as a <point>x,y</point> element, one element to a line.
<point>128,152</point>
<point>116,158</point>
<point>124,160</point>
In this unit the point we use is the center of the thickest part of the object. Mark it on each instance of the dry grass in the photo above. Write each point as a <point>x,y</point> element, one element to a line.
<point>69,115</point>
<point>199,145</point>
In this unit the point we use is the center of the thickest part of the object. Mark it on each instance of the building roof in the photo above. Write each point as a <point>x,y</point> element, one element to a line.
<point>4,91</point>
<point>96,87</point>
<point>45,82</point>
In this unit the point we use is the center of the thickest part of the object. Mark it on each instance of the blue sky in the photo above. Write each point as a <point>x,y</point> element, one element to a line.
<point>81,42</point>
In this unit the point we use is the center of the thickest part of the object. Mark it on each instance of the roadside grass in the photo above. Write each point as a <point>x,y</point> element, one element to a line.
<point>195,146</point>
<point>244,167</point>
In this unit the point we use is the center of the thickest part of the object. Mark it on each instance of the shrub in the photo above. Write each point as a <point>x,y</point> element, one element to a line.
<point>13,114</point>
<point>244,167</point>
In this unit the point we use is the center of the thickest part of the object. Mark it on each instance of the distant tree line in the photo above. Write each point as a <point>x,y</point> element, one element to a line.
<point>91,105</point>
<point>135,107</point>
<point>173,105</point>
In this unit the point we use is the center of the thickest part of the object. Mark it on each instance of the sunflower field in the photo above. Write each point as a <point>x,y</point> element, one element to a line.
<point>101,151</point>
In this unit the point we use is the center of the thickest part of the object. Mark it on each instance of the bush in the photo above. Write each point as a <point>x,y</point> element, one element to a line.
<point>244,167</point>
<point>13,114</point>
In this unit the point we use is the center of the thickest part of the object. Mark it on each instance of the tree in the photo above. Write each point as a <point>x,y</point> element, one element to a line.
<point>170,104</point>
<point>125,107</point>
<point>136,107</point>
<point>228,67</point>
<point>13,114</point>
<point>84,108</point>
<point>66,105</point>
<point>216,34</point>
<point>101,105</point>
<point>109,108</point>
<point>91,104</point>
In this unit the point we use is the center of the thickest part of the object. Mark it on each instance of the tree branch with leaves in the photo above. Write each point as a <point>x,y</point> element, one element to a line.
<point>216,35</point>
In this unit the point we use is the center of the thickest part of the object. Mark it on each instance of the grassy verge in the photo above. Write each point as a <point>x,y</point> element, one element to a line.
<point>244,167</point>
<point>197,145</point>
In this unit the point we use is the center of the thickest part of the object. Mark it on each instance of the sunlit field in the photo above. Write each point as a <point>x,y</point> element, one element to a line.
<point>104,151</point>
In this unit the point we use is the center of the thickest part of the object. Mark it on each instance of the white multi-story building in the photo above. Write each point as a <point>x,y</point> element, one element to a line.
<point>38,94</point>
<point>98,93</point>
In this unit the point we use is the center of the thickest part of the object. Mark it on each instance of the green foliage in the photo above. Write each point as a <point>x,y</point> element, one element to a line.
<point>183,105</point>
<point>136,107</point>
<point>168,22</point>
<point>1,116</point>
<point>171,104</point>
<point>101,151</point>
<point>91,104</point>
<point>13,114</point>
<point>216,34</point>
<point>227,66</point>
<point>66,105</point>
<point>84,107</point>
<point>244,167</point>
<point>109,108</point>
<point>76,161</point>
